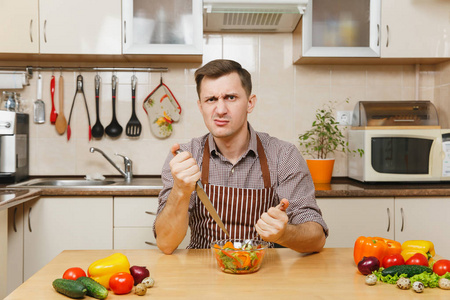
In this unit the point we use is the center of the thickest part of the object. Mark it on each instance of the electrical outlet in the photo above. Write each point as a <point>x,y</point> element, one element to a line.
<point>344,117</point>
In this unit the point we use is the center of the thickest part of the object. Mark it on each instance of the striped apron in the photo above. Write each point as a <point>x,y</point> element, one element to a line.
<point>238,208</point>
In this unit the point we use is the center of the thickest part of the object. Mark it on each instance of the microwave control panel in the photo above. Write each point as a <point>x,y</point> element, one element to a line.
<point>446,150</point>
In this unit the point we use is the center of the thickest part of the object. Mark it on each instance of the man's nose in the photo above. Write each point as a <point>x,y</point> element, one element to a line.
<point>221,107</point>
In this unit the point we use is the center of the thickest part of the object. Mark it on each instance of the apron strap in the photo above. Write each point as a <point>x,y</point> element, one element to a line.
<point>262,160</point>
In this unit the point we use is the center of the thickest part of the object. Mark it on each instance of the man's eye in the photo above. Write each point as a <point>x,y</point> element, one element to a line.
<point>210,99</point>
<point>231,97</point>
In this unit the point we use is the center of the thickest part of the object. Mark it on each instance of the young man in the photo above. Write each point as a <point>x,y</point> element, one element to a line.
<point>245,174</point>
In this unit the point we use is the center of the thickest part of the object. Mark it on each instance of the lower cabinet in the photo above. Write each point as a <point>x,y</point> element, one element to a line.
<point>54,224</point>
<point>133,223</point>
<point>424,218</point>
<point>15,248</point>
<point>398,218</point>
<point>349,218</point>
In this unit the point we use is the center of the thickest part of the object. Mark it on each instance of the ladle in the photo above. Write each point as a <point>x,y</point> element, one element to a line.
<point>97,130</point>
<point>114,129</point>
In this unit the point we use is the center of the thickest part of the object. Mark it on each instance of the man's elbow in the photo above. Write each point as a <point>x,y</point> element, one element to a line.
<point>166,249</point>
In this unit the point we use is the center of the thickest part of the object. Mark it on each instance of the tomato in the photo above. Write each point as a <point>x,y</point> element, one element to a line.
<point>121,283</point>
<point>392,260</point>
<point>417,259</point>
<point>441,267</point>
<point>74,273</point>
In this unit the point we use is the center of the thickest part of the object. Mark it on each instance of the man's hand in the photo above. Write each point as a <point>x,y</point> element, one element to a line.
<point>185,171</point>
<point>272,224</point>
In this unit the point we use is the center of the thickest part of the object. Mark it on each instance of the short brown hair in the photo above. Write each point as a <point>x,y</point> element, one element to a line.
<point>220,67</point>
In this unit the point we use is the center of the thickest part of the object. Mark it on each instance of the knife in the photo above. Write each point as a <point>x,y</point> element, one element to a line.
<point>207,203</point>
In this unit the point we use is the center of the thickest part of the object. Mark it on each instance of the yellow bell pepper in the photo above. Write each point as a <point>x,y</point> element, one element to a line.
<point>102,269</point>
<point>409,248</point>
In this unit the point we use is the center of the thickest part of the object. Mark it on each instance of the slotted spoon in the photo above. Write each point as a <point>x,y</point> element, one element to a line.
<point>134,127</point>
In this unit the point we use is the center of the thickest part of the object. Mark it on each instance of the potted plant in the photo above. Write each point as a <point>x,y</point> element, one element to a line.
<point>323,139</point>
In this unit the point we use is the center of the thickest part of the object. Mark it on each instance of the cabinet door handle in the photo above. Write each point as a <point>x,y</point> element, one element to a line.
<point>378,32</point>
<point>150,243</point>
<point>387,36</point>
<point>45,31</point>
<point>389,219</point>
<point>124,32</point>
<point>14,219</point>
<point>29,220</point>
<point>403,219</point>
<point>150,213</point>
<point>31,30</point>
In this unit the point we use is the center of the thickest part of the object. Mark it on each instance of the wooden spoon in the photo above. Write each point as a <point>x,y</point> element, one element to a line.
<point>61,123</point>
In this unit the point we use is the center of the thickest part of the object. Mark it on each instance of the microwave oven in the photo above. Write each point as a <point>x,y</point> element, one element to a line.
<point>400,155</point>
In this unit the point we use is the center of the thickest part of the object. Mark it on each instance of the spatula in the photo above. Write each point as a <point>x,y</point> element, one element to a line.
<point>61,122</point>
<point>134,127</point>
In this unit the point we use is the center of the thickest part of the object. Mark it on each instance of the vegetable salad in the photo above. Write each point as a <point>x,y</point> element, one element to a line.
<point>245,258</point>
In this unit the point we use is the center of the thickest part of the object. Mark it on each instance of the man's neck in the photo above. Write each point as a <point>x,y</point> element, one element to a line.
<point>234,148</point>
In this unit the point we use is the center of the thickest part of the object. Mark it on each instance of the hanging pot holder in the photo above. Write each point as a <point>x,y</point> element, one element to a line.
<point>162,110</point>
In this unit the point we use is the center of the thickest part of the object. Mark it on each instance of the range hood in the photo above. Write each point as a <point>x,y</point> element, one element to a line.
<point>252,15</point>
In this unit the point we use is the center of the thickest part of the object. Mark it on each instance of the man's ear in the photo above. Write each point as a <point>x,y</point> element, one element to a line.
<point>251,103</point>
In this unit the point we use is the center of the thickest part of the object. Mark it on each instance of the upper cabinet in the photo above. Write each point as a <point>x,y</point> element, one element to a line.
<point>402,30</point>
<point>169,27</point>
<point>415,28</point>
<point>80,27</point>
<point>346,28</point>
<point>19,23</point>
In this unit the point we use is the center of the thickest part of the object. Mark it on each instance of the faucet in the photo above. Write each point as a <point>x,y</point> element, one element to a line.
<point>128,173</point>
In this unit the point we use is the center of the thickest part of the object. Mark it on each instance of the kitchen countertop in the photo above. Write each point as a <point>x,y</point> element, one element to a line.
<point>339,187</point>
<point>193,274</point>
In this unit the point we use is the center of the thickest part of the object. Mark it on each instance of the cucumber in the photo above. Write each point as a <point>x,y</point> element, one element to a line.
<point>69,288</point>
<point>94,289</point>
<point>409,270</point>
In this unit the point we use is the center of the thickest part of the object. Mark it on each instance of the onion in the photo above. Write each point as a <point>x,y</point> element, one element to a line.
<point>368,264</point>
<point>139,273</point>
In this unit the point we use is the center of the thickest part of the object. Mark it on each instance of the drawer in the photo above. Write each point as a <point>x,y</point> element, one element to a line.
<point>136,238</point>
<point>135,211</point>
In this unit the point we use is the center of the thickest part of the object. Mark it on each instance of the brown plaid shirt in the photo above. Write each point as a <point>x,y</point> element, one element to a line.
<point>289,174</point>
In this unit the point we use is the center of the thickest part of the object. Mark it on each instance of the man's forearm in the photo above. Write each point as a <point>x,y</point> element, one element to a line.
<point>172,223</point>
<point>304,238</point>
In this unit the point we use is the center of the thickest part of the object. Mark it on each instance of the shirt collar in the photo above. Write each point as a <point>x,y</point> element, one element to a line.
<point>252,147</point>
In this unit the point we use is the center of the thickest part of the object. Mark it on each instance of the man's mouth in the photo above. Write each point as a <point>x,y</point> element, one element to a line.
<point>221,122</point>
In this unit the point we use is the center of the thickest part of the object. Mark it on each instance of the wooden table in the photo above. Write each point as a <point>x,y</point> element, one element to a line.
<point>193,274</point>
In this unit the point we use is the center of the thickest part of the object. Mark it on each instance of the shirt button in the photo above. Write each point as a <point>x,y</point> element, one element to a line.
<point>232,170</point>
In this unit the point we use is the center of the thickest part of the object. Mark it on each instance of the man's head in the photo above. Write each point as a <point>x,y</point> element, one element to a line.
<point>220,67</point>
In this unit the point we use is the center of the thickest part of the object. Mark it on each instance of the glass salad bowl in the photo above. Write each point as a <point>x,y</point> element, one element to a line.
<point>239,256</point>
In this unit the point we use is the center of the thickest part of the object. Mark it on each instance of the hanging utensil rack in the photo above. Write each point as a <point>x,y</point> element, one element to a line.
<point>30,69</point>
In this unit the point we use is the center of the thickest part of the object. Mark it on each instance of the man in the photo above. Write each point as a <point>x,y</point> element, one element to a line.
<point>245,174</point>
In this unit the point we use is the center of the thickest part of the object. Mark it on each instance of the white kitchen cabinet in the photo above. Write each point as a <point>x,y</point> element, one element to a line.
<point>15,247</point>
<point>80,27</point>
<point>170,27</point>
<point>415,28</point>
<point>19,23</point>
<point>133,223</point>
<point>54,224</point>
<point>350,218</point>
<point>423,218</point>
<point>347,28</point>
<point>401,29</point>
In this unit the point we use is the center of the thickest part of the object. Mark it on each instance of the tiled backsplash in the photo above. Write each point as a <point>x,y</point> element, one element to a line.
<point>288,95</point>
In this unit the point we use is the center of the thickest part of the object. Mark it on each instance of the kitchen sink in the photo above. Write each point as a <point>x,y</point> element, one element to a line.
<point>69,182</point>
<point>79,183</point>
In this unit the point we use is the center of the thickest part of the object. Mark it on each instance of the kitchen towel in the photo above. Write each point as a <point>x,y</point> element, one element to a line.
<point>13,80</point>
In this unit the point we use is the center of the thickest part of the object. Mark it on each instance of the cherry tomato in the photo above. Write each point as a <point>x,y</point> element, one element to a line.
<point>417,259</point>
<point>121,283</point>
<point>74,273</point>
<point>392,260</point>
<point>441,267</point>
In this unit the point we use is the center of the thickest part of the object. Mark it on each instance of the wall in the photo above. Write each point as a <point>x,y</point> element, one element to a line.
<point>288,96</point>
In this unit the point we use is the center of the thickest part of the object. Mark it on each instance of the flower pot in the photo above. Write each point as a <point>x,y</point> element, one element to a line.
<point>321,169</point>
